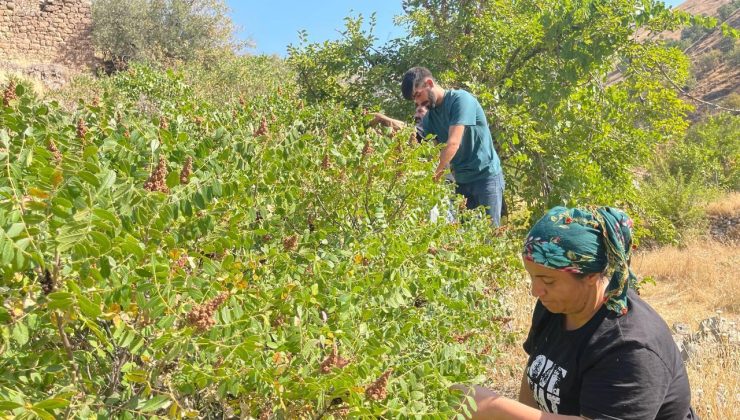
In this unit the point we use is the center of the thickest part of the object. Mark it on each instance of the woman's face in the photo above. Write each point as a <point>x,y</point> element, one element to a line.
<point>560,292</point>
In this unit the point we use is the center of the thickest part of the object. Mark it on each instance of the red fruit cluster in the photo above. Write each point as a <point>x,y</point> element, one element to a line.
<point>461,338</point>
<point>156,181</point>
<point>52,147</point>
<point>9,93</point>
<point>368,149</point>
<point>290,243</point>
<point>325,162</point>
<point>81,129</point>
<point>126,134</point>
<point>412,140</point>
<point>187,169</point>
<point>201,316</point>
<point>377,390</point>
<point>47,282</point>
<point>333,360</point>
<point>262,130</point>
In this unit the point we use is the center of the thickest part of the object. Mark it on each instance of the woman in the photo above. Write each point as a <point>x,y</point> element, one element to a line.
<point>596,350</point>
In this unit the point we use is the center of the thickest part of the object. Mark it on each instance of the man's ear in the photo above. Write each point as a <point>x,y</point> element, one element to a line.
<point>429,82</point>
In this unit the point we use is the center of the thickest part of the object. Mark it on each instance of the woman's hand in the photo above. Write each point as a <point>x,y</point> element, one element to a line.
<point>482,397</point>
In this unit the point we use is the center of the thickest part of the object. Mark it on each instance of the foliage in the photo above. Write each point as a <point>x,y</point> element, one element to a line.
<point>684,175</point>
<point>160,30</point>
<point>675,204</point>
<point>568,130</point>
<point>288,264</point>
<point>710,152</point>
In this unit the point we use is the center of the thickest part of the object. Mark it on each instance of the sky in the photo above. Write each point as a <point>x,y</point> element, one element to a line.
<point>274,24</point>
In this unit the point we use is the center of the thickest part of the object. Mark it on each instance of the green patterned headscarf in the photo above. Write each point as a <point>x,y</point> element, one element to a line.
<point>584,241</point>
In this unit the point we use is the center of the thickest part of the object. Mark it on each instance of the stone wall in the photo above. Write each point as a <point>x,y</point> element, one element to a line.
<point>56,32</point>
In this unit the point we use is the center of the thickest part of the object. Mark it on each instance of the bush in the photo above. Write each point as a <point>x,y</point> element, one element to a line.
<point>710,152</point>
<point>674,205</point>
<point>233,260</point>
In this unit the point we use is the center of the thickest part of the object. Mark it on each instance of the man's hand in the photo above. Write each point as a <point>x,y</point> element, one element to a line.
<point>438,175</point>
<point>380,119</point>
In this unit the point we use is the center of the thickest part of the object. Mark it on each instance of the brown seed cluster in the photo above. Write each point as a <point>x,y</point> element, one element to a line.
<point>126,134</point>
<point>164,123</point>
<point>462,338</point>
<point>262,129</point>
<point>326,162</point>
<point>201,316</point>
<point>47,282</point>
<point>333,360</point>
<point>96,101</point>
<point>242,101</point>
<point>56,154</point>
<point>432,250</point>
<point>290,243</point>
<point>198,120</point>
<point>9,94</point>
<point>81,129</point>
<point>412,140</point>
<point>187,169</point>
<point>377,390</point>
<point>368,149</point>
<point>156,181</point>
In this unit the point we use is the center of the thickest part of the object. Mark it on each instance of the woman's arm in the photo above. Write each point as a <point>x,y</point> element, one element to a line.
<point>491,406</point>
<point>525,393</point>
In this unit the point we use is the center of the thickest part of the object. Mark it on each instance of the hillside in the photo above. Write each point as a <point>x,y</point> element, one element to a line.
<point>714,58</point>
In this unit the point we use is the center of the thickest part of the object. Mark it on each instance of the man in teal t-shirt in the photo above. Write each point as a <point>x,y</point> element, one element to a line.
<point>458,121</point>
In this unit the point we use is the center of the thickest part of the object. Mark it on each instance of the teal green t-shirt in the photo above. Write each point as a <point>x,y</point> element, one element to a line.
<point>475,159</point>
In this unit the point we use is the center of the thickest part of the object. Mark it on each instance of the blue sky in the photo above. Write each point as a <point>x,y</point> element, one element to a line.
<point>274,24</point>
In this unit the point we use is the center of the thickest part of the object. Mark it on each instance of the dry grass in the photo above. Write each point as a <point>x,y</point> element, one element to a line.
<point>691,285</point>
<point>728,206</point>
<point>693,282</point>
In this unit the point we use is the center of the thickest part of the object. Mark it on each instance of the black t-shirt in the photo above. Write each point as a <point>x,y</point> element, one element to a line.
<point>613,367</point>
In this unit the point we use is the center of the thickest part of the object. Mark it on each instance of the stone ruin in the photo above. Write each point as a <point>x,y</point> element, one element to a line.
<point>46,39</point>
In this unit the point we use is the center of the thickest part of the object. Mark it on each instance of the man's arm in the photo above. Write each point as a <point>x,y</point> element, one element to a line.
<point>453,143</point>
<point>380,119</point>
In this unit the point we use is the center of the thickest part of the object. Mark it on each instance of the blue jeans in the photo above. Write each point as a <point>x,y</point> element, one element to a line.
<point>487,192</point>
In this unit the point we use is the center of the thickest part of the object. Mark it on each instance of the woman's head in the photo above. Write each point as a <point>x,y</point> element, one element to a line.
<point>582,245</point>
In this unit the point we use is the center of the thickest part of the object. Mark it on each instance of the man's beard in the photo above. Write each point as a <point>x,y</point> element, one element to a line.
<point>432,99</point>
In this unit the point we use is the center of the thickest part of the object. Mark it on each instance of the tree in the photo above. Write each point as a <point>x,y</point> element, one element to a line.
<point>569,128</point>
<point>160,29</point>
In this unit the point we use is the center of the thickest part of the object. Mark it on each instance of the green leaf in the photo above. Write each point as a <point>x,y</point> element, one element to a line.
<point>51,404</point>
<point>20,333</point>
<point>9,405</point>
<point>108,181</point>
<point>87,307</point>
<point>156,403</point>
<point>15,229</point>
<point>101,240</point>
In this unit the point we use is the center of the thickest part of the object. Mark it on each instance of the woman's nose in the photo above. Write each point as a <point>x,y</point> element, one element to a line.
<point>536,289</point>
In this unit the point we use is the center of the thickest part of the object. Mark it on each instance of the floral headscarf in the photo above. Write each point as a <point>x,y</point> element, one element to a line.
<point>583,241</point>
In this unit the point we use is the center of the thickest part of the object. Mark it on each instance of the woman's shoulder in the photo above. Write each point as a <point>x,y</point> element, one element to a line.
<point>640,328</point>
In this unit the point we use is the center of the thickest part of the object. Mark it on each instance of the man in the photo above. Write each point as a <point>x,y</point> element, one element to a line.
<point>457,120</point>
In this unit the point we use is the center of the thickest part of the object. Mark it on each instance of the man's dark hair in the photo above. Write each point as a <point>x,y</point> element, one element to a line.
<point>412,78</point>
